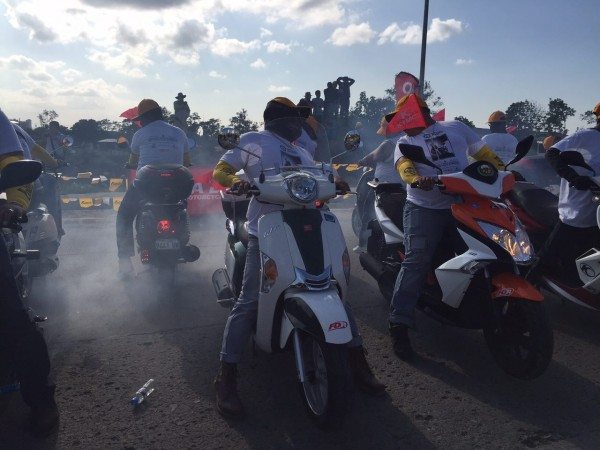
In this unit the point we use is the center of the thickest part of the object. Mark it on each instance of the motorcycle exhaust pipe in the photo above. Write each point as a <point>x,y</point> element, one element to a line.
<point>191,253</point>
<point>374,267</point>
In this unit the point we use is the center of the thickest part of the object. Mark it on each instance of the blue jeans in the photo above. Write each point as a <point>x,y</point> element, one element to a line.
<point>424,229</point>
<point>242,319</point>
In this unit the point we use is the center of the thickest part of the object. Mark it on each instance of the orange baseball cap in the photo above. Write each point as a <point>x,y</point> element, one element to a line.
<point>146,105</point>
<point>497,116</point>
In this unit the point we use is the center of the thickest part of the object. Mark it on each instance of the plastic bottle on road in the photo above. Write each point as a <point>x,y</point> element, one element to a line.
<point>143,393</point>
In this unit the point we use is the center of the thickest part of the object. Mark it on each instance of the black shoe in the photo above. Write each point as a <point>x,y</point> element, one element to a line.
<point>228,402</point>
<point>401,342</point>
<point>45,420</point>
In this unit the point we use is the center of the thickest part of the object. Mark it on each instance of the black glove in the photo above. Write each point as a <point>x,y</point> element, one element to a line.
<point>582,183</point>
<point>10,213</point>
<point>240,187</point>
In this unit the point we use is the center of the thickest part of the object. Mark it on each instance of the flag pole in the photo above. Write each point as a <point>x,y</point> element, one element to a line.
<point>424,47</point>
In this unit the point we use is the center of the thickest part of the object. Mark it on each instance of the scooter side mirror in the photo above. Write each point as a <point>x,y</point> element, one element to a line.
<point>522,149</point>
<point>573,158</point>
<point>68,141</point>
<point>352,140</point>
<point>228,138</point>
<point>416,154</point>
<point>19,173</point>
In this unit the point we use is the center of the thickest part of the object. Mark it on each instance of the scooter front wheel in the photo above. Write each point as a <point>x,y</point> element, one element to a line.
<point>325,388</point>
<point>520,338</point>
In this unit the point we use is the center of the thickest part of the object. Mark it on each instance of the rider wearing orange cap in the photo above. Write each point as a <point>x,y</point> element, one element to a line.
<point>502,143</point>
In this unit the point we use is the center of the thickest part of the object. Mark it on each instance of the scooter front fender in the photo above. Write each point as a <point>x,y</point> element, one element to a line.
<point>513,286</point>
<point>319,313</point>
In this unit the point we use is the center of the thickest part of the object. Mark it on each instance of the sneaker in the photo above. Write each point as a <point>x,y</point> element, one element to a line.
<point>125,268</point>
<point>401,342</point>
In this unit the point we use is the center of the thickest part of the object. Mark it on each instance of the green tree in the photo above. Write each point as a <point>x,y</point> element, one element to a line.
<point>47,116</point>
<point>241,124</point>
<point>211,127</point>
<point>110,125</point>
<point>588,117</point>
<point>556,117</point>
<point>87,131</point>
<point>464,120</point>
<point>526,114</point>
<point>371,109</point>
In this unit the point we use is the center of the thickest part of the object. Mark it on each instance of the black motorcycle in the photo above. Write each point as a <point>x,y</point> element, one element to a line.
<point>11,256</point>
<point>162,225</point>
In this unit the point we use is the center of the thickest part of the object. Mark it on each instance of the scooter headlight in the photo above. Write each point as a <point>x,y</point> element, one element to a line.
<point>302,187</point>
<point>517,245</point>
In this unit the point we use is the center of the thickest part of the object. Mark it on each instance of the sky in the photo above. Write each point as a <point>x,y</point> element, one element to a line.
<point>97,58</point>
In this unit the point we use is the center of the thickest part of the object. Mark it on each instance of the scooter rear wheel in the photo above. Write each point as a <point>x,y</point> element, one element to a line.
<point>325,390</point>
<point>520,338</point>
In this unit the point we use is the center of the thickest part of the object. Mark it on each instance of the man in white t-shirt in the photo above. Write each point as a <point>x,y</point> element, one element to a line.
<point>578,228</point>
<point>427,215</point>
<point>503,144</point>
<point>275,146</point>
<point>156,142</point>
<point>392,196</point>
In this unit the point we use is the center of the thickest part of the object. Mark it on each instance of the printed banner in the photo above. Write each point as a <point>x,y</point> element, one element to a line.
<point>409,116</point>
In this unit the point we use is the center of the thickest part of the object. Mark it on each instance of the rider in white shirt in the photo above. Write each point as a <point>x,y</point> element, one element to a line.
<point>578,229</point>
<point>499,140</point>
<point>156,142</point>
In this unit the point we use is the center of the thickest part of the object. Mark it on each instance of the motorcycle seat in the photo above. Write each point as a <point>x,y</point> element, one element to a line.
<point>541,204</point>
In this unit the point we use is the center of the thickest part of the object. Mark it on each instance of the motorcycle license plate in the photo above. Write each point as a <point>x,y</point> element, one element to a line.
<point>167,244</point>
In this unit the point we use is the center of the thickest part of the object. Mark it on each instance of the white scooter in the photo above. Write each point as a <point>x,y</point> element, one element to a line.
<point>304,279</point>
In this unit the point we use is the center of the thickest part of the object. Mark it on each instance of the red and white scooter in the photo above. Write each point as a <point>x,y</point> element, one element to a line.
<point>538,210</point>
<point>478,281</point>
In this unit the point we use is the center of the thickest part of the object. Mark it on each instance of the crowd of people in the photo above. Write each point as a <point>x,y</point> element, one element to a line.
<point>293,135</point>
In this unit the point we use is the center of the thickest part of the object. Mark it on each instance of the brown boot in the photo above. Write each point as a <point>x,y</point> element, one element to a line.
<point>363,375</point>
<point>228,402</point>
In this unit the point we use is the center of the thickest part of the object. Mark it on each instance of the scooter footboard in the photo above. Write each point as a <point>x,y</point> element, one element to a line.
<point>319,313</point>
<point>511,285</point>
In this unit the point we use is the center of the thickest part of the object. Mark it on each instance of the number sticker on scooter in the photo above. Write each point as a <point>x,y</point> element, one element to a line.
<point>338,325</point>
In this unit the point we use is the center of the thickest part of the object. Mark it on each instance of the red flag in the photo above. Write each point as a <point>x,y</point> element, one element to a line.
<point>130,114</point>
<point>440,116</point>
<point>408,116</point>
<point>406,84</point>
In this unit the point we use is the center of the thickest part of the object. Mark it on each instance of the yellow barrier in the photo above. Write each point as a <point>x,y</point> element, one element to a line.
<point>115,183</point>
<point>86,202</point>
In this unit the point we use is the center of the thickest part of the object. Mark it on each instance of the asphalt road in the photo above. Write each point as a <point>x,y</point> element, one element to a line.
<point>108,338</point>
